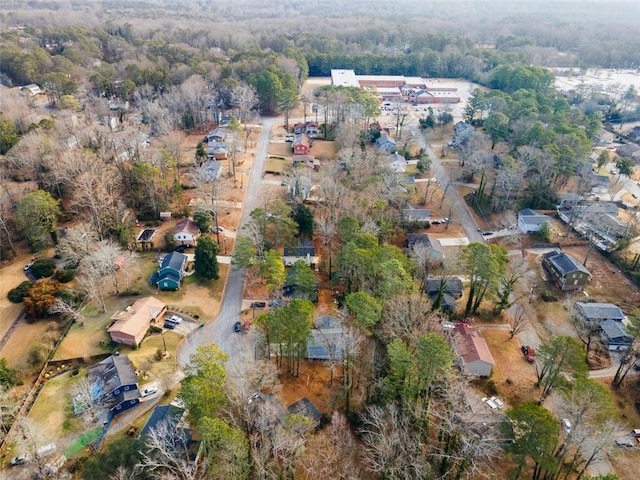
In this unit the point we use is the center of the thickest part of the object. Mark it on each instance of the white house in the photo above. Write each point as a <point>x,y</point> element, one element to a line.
<point>397,163</point>
<point>530,221</point>
<point>186,232</point>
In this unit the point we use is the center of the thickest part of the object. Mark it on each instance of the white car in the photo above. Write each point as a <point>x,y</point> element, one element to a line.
<point>175,319</point>
<point>498,402</point>
<point>566,425</point>
<point>492,405</point>
<point>218,229</point>
<point>148,391</point>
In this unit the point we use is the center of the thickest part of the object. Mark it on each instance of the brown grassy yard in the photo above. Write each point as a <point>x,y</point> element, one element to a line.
<point>513,376</point>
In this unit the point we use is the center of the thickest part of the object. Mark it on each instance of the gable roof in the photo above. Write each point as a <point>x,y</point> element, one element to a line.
<point>136,317</point>
<point>174,261</point>
<point>615,330</point>
<point>169,413</point>
<point>565,263</point>
<point>384,140</point>
<point>599,311</point>
<point>453,285</point>
<point>300,251</point>
<point>470,346</point>
<point>113,372</point>
<point>530,217</point>
<point>305,407</point>
<point>187,226</point>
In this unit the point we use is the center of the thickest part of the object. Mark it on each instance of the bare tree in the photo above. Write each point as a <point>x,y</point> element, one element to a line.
<point>519,322</point>
<point>330,453</point>
<point>167,455</point>
<point>407,317</point>
<point>391,447</point>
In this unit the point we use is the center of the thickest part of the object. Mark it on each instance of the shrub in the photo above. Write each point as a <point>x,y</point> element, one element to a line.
<point>491,388</point>
<point>17,294</point>
<point>43,268</point>
<point>65,275</point>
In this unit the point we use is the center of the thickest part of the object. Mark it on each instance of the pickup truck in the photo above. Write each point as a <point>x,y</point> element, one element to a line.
<point>529,353</point>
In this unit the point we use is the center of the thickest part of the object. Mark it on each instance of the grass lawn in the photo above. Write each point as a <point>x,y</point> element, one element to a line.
<point>277,166</point>
<point>52,411</point>
<point>143,358</point>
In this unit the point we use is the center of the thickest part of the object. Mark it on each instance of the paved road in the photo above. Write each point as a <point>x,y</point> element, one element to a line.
<point>462,214</point>
<point>238,346</point>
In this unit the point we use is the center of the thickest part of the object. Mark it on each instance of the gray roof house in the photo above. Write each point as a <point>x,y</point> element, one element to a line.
<point>306,408</point>
<point>386,143</point>
<point>596,313</point>
<point>397,163</point>
<point>530,221</point>
<point>114,380</point>
<point>421,215</point>
<point>615,335</point>
<point>565,271</point>
<point>443,292</point>
<point>210,171</point>
<point>326,341</point>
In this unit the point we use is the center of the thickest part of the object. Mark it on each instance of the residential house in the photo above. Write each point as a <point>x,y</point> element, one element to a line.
<point>186,232</point>
<point>565,271</point>
<point>306,408</point>
<point>305,251</point>
<point>634,134</point>
<point>293,289</point>
<point>419,215</point>
<point>435,250</point>
<point>32,89</point>
<point>600,183</point>
<point>115,382</point>
<point>218,151</point>
<point>210,171</point>
<point>473,355</point>
<point>386,143</point>
<point>171,271</point>
<point>216,135</point>
<point>308,161</point>
<point>327,339</point>
<point>596,220</point>
<point>529,221</point>
<point>397,163</point>
<point>130,326</point>
<point>596,313</point>
<point>310,128</point>
<point>301,144</point>
<point>615,335</point>
<point>629,150</point>
<point>444,291</point>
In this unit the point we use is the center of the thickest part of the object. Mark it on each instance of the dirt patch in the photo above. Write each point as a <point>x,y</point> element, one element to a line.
<point>314,383</point>
<point>512,375</point>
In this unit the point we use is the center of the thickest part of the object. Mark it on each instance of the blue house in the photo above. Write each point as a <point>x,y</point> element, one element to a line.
<point>386,143</point>
<point>171,271</point>
<point>115,382</point>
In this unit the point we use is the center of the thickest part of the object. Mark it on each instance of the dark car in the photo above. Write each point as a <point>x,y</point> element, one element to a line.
<point>237,327</point>
<point>487,233</point>
<point>170,325</point>
<point>180,248</point>
<point>258,304</point>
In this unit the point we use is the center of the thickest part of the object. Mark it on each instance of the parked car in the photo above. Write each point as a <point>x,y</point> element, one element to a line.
<point>529,353</point>
<point>624,443</point>
<point>27,266</point>
<point>169,325</point>
<point>237,327</point>
<point>636,432</point>
<point>498,402</point>
<point>253,397</point>
<point>180,248</point>
<point>566,425</point>
<point>19,460</point>
<point>258,304</point>
<point>148,391</point>
<point>218,229</point>
<point>487,233</point>
<point>175,319</point>
<point>492,405</point>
